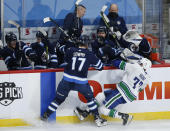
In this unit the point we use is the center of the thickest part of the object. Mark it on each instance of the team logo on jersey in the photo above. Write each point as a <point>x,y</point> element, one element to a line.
<point>9,92</point>
<point>118,22</point>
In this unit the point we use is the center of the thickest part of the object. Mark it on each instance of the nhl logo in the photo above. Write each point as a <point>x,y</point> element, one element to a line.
<point>9,92</point>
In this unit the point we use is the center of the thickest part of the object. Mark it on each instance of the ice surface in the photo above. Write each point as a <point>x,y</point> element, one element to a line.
<point>155,125</point>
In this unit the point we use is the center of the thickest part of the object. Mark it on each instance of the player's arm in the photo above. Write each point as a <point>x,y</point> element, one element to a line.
<point>9,60</point>
<point>120,64</point>
<point>68,54</point>
<point>28,51</point>
<point>96,62</point>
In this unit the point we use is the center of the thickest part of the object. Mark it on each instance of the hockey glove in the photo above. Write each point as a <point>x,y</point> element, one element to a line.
<point>33,56</point>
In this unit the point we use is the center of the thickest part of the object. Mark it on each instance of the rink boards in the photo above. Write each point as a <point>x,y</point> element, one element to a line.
<point>24,95</point>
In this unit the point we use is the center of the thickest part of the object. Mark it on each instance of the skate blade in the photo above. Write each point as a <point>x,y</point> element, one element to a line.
<point>78,115</point>
<point>129,120</point>
<point>102,124</point>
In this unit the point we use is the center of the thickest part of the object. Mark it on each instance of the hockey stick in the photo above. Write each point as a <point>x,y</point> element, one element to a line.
<point>17,26</point>
<point>107,23</point>
<point>77,2</point>
<point>19,33</point>
<point>48,19</point>
<point>46,47</point>
<point>76,5</point>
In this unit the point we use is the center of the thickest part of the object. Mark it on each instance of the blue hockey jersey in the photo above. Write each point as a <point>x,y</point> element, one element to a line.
<point>16,59</point>
<point>79,60</point>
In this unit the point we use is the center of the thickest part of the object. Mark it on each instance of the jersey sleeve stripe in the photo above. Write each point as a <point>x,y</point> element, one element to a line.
<point>98,63</point>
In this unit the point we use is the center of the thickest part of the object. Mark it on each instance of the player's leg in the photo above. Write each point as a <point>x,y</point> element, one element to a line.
<point>92,105</point>
<point>82,111</point>
<point>112,100</point>
<point>61,94</point>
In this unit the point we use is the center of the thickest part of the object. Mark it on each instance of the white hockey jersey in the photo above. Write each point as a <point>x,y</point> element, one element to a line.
<point>134,80</point>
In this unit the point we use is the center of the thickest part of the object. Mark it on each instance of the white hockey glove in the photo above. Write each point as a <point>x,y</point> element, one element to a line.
<point>129,56</point>
<point>118,34</point>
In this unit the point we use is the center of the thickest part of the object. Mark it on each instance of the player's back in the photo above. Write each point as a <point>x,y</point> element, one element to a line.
<point>79,60</point>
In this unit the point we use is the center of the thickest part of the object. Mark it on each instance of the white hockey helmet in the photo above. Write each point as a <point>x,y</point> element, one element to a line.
<point>133,37</point>
<point>146,63</point>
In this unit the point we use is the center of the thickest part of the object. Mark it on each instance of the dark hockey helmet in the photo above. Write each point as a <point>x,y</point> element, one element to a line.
<point>10,37</point>
<point>39,34</point>
<point>102,29</point>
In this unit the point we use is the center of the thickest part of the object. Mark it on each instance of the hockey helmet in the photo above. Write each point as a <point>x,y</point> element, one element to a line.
<point>10,36</point>
<point>146,63</point>
<point>102,29</point>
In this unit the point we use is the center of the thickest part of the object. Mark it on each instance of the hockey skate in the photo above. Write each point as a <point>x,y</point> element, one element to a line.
<point>100,121</point>
<point>45,117</point>
<point>126,118</point>
<point>81,114</point>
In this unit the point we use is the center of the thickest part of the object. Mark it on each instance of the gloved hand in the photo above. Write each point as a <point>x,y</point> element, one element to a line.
<point>33,56</point>
<point>115,34</point>
<point>118,51</point>
<point>118,34</point>
<point>44,57</point>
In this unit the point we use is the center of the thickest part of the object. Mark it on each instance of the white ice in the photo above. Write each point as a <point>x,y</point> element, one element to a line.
<point>154,125</point>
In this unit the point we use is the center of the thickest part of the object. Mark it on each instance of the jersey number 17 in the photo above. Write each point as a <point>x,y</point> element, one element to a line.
<point>74,63</point>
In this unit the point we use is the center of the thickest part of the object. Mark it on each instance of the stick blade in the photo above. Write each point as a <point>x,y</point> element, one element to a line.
<point>78,1</point>
<point>46,19</point>
<point>13,23</point>
<point>104,8</point>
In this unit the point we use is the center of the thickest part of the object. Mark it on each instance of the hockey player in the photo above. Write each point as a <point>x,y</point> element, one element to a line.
<point>102,45</point>
<point>135,79</point>
<point>16,54</point>
<point>45,51</point>
<point>137,44</point>
<point>75,78</point>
